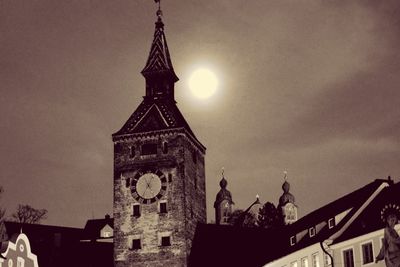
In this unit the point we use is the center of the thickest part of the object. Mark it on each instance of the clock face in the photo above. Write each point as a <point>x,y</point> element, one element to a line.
<point>147,187</point>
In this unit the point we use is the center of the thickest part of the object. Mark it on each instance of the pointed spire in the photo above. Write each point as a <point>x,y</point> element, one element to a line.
<point>158,71</point>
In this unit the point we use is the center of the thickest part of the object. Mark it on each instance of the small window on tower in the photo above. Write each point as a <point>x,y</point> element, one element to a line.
<point>165,148</point>
<point>132,152</point>
<point>118,148</point>
<point>136,210</point>
<point>149,149</point>
<point>127,182</point>
<point>136,244</point>
<point>163,207</point>
<point>169,177</point>
<point>194,157</point>
<point>165,241</point>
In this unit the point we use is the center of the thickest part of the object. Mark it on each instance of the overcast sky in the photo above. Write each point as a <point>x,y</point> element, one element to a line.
<point>311,87</point>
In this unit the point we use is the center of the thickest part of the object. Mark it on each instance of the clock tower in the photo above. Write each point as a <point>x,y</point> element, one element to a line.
<point>159,177</point>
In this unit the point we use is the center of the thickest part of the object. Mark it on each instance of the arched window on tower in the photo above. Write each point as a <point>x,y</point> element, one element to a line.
<point>226,211</point>
<point>132,151</point>
<point>165,147</point>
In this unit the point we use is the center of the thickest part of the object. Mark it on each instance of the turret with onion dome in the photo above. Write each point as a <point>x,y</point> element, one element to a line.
<point>287,203</point>
<point>223,203</point>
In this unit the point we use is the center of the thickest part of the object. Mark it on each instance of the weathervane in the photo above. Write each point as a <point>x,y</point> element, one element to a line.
<point>159,12</point>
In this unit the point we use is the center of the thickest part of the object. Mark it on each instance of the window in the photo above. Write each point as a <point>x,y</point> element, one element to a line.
<point>311,231</point>
<point>195,182</point>
<point>367,253</point>
<point>20,262</point>
<point>127,182</point>
<point>293,264</point>
<point>149,149</point>
<point>304,262</point>
<point>165,148</point>
<point>132,152</point>
<point>165,241</point>
<point>327,259</point>
<point>292,240</point>
<point>348,258</point>
<point>163,207</point>
<point>315,260</point>
<point>169,178</point>
<point>136,244</point>
<point>194,157</point>
<point>106,234</point>
<point>118,148</point>
<point>331,223</point>
<point>136,210</point>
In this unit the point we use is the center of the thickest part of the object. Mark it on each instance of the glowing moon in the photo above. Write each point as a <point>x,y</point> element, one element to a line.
<point>203,83</point>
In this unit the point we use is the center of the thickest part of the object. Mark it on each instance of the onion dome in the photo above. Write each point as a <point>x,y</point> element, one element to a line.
<point>286,197</point>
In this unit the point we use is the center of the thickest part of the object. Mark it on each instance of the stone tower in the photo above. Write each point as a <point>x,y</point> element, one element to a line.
<point>223,203</point>
<point>287,204</point>
<point>159,178</point>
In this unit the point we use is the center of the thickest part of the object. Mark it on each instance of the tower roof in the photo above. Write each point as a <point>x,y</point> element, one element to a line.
<point>158,111</point>
<point>223,194</point>
<point>159,61</point>
<point>286,197</point>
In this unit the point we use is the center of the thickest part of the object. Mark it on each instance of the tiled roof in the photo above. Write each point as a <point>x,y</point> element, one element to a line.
<point>155,114</point>
<point>159,60</point>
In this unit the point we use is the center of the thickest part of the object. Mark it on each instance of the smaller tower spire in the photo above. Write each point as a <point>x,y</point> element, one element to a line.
<point>223,203</point>
<point>287,202</point>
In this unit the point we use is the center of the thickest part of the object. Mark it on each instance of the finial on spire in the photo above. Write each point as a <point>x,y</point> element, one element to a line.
<point>223,170</point>
<point>159,12</point>
<point>285,175</point>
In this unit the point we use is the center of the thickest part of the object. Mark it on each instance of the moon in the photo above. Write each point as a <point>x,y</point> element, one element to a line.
<point>203,83</point>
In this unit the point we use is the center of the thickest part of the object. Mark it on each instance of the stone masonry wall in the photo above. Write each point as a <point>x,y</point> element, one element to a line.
<point>185,201</point>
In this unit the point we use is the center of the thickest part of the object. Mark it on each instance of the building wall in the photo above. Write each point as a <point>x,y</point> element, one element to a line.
<point>355,244</point>
<point>296,257</point>
<point>185,197</point>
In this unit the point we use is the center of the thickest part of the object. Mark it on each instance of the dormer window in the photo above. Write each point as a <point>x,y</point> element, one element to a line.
<point>331,223</point>
<point>311,231</point>
<point>292,240</point>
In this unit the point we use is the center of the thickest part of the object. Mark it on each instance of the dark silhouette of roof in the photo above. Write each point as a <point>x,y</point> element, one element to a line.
<point>60,246</point>
<point>93,227</point>
<point>216,245</point>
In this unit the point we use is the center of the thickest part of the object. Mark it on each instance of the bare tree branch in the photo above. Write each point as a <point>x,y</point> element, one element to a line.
<point>28,214</point>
